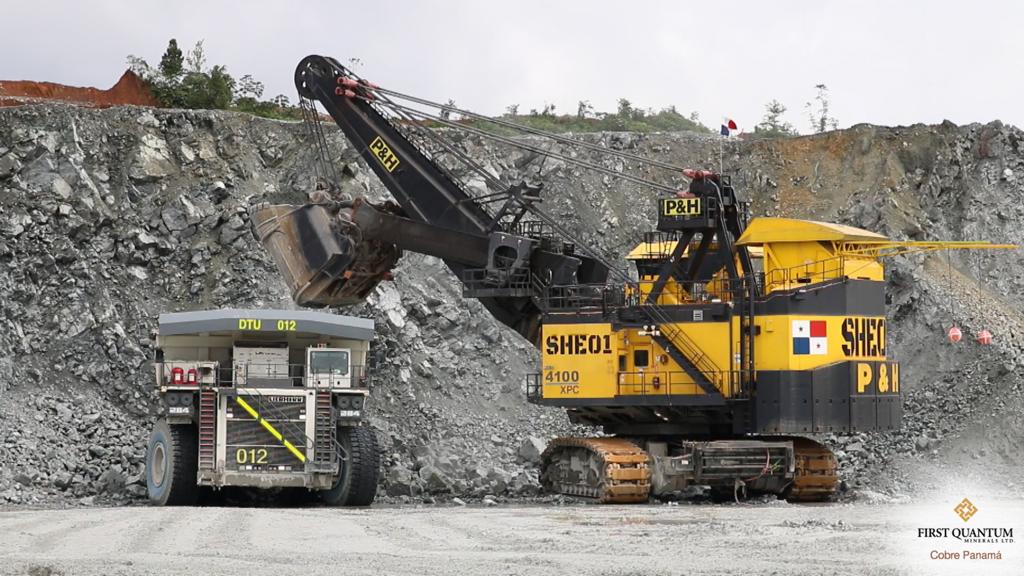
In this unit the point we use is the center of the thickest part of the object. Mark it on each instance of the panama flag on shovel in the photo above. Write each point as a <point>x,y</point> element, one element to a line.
<point>728,125</point>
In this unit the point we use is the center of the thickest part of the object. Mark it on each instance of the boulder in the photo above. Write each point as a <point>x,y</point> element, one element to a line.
<point>531,449</point>
<point>399,481</point>
<point>151,161</point>
<point>434,480</point>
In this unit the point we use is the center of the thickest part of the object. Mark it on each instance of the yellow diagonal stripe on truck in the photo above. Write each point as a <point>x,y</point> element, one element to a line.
<point>270,428</point>
<point>294,450</point>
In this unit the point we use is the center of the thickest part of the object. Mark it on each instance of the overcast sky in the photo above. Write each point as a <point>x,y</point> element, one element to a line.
<point>884,62</point>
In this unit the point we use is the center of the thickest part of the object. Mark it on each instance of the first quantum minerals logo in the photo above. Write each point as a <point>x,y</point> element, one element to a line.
<point>964,535</point>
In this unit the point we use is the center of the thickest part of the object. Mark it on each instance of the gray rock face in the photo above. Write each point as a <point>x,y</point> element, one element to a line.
<point>150,216</point>
<point>152,160</point>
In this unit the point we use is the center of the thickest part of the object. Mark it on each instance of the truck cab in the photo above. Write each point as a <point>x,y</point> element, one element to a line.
<point>262,399</point>
<point>329,366</point>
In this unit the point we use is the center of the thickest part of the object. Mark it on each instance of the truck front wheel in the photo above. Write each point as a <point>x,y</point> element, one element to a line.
<point>172,464</point>
<point>356,484</point>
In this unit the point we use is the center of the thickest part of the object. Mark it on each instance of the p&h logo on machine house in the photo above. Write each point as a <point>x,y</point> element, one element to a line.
<point>810,337</point>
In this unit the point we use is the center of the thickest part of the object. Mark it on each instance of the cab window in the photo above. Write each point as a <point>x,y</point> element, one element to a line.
<point>333,362</point>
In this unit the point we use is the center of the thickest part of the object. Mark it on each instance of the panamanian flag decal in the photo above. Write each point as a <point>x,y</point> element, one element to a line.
<point>810,337</point>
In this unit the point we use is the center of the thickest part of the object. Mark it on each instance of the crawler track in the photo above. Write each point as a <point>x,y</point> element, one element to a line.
<point>817,472</point>
<point>618,471</point>
<point>612,470</point>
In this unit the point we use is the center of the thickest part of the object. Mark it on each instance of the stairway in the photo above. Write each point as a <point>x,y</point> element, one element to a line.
<point>324,438</point>
<point>207,428</point>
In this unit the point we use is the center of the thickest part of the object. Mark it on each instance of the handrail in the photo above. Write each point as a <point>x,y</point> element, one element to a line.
<point>689,348</point>
<point>630,294</point>
<point>831,268</point>
<point>585,297</point>
<point>290,375</point>
<point>736,290</point>
<point>655,382</point>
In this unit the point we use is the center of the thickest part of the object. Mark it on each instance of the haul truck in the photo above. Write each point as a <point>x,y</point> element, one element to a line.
<point>262,399</point>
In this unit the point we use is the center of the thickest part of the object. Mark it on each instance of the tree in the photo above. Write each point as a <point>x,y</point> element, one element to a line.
<point>221,88</point>
<point>512,110</point>
<point>186,82</point>
<point>139,66</point>
<point>625,108</point>
<point>549,110</point>
<point>211,91</point>
<point>773,124</point>
<point>172,62</point>
<point>247,86</point>
<point>818,113</point>
<point>196,59</point>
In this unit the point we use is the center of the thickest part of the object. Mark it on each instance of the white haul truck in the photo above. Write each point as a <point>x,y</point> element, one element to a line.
<point>264,399</point>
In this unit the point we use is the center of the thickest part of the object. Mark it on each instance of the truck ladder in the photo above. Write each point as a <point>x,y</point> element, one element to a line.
<point>207,428</point>
<point>325,436</point>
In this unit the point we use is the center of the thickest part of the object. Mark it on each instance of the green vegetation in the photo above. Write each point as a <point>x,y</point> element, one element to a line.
<point>818,111</point>
<point>627,119</point>
<point>773,126</point>
<point>184,81</point>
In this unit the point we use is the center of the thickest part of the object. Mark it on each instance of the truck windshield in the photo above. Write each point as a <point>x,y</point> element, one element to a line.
<point>333,362</point>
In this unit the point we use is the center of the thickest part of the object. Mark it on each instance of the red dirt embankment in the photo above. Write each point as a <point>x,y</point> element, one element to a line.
<point>130,89</point>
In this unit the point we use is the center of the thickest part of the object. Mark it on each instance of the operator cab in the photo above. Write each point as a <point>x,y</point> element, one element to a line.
<point>329,367</point>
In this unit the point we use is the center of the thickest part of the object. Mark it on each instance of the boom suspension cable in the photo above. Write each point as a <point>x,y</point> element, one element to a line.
<point>326,171</point>
<point>410,121</point>
<point>530,130</point>
<point>536,149</point>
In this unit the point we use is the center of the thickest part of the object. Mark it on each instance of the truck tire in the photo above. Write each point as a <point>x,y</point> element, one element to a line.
<point>356,484</point>
<point>171,465</point>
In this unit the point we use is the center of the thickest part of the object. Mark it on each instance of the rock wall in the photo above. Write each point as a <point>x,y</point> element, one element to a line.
<point>109,217</point>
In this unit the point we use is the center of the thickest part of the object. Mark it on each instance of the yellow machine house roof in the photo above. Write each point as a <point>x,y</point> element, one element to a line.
<point>648,250</point>
<point>768,230</point>
<point>662,248</point>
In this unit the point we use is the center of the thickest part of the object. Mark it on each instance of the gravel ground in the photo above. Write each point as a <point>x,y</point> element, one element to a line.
<point>747,539</point>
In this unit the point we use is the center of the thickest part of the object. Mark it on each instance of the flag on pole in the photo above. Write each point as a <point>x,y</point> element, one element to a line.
<point>728,125</point>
